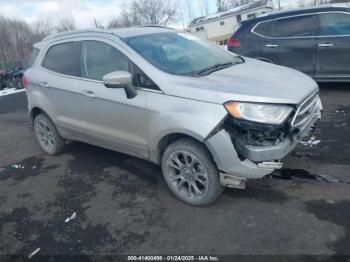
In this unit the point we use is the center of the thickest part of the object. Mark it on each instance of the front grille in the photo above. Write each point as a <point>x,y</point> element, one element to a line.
<point>306,111</point>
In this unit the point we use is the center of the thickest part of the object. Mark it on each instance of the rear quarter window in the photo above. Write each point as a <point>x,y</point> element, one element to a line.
<point>31,59</point>
<point>63,59</point>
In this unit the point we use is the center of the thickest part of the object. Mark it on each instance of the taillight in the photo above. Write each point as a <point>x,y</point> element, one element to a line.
<point>25,82</point>
<point>233,42</point>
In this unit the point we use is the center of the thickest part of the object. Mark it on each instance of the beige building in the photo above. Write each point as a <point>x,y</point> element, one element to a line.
<point>219,27</point>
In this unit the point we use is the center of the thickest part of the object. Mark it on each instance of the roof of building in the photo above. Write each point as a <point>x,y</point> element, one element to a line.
<point>121,32</point>
<point>232,11</point>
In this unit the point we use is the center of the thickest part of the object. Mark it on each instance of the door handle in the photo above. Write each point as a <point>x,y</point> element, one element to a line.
<point>89,93</point>
<point>44,84</point>
<point>326,45</point>
<point>271,46</point>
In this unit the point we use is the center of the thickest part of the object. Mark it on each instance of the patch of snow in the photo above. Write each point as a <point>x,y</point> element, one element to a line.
<point>17,166</point>
<point>10,91</point>
<point>311,142</point>
<point>72,217</point>
<point>327,178</point>
<point>34,253</point>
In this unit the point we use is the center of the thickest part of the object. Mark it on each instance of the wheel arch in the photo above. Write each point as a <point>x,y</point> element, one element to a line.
<point>35,111</point>
<point>264,59</point>
<point>170,138</point>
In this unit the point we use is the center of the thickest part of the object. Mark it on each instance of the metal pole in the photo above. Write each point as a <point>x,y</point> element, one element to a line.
<point>279,4</point>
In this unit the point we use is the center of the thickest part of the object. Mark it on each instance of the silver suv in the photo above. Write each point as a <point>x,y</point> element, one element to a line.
<point>210,118</point>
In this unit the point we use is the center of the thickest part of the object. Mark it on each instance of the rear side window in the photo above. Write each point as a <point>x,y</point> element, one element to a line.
<point>295,26</point>
<point>334,24</point>
<point>99,59</point>
<point>265,29</point>
<point>63,59</point>
<point>33,55</point>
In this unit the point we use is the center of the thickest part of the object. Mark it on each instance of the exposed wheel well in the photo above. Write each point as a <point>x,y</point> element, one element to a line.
<point>167,140</point>
<point>35,111</point>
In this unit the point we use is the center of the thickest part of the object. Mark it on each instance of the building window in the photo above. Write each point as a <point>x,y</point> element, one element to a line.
<point>200,28</point>
<point>239,18</point>
<point>222,23</point>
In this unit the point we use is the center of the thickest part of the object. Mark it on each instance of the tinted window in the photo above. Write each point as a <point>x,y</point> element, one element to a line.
<point>265,29</point>
<point>99,59</point>
<point>334,24</point>
<point>62,58</point>
<point>32,57</point>
<point>295,26</point>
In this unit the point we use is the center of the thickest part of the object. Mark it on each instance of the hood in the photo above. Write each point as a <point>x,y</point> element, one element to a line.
<point>253,81</point>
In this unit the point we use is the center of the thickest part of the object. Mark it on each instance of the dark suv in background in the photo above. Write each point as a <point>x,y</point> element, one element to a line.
<point>315,41</point>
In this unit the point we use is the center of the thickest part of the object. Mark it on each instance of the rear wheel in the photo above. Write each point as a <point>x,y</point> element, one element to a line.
<point>190,172</point>
<point>47,135</point>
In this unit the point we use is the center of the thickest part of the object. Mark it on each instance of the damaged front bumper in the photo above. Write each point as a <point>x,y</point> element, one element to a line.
<point>246,151</point>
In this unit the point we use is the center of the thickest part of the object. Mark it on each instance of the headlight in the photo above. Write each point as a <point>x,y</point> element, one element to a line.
<point>262,113</point>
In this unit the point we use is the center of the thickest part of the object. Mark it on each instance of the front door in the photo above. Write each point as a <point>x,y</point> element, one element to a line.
<point>333,52</point>
<point>110,119</point>
<point>294,43</point>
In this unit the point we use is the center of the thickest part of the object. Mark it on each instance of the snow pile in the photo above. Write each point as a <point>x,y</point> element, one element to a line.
<point>311,142</point>
<point>10,91</point>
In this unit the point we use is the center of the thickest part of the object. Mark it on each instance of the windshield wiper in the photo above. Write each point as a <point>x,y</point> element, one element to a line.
<point>214,68</point>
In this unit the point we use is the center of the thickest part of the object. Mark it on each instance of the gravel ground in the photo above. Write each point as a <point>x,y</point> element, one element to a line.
<point>123,206</point>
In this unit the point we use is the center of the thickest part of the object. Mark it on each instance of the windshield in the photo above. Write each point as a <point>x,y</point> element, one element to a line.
<point>181,54</point>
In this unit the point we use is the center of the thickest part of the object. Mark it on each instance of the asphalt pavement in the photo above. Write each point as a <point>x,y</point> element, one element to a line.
<point>123,206</point>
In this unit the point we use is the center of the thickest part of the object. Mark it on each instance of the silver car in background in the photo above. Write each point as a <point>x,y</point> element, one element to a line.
<point>210,118</point>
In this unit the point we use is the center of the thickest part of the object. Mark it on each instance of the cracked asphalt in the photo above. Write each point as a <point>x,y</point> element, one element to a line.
<point>124,207</point>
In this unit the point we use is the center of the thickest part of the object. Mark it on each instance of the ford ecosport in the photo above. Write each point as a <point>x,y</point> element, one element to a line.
<point>210,118</point>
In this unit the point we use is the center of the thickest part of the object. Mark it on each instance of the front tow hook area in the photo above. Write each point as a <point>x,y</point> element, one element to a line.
<point>232,181</point>
<point>270,165</point>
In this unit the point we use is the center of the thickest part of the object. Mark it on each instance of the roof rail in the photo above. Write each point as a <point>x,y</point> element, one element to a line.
<point>157,26</point>
<point>96,30</point>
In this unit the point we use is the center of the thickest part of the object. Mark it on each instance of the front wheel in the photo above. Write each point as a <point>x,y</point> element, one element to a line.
<point>190,173</point>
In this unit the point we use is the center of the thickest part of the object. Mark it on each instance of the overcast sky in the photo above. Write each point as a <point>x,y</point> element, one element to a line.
<point>83,11</point>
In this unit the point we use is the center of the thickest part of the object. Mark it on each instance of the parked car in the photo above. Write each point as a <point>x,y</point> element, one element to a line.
<point>210,118</point>
<point>315,41</point>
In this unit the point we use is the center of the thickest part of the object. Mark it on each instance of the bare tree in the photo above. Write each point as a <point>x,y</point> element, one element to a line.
<point>236,3</point>
<point>17,36</point>
<point>221,5</point>
<point>185,12</point>
<point>65,24</point>
<point>129,17</point>
<point>155,12</point>
<point>145,12</point>
<point>41,29</point>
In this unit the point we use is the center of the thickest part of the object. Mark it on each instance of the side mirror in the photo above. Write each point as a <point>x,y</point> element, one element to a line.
<point>120,79</point>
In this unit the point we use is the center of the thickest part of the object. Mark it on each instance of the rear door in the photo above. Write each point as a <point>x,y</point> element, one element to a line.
<point>294,43</point>
<point>56,81</point>
<point>333,45</point>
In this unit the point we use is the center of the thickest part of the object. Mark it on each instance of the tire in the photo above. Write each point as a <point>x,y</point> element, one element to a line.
<point>190,172</point>
<point>47,135</point>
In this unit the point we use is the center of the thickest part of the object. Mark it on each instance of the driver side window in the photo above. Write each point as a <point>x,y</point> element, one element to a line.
<point>99,59</point>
